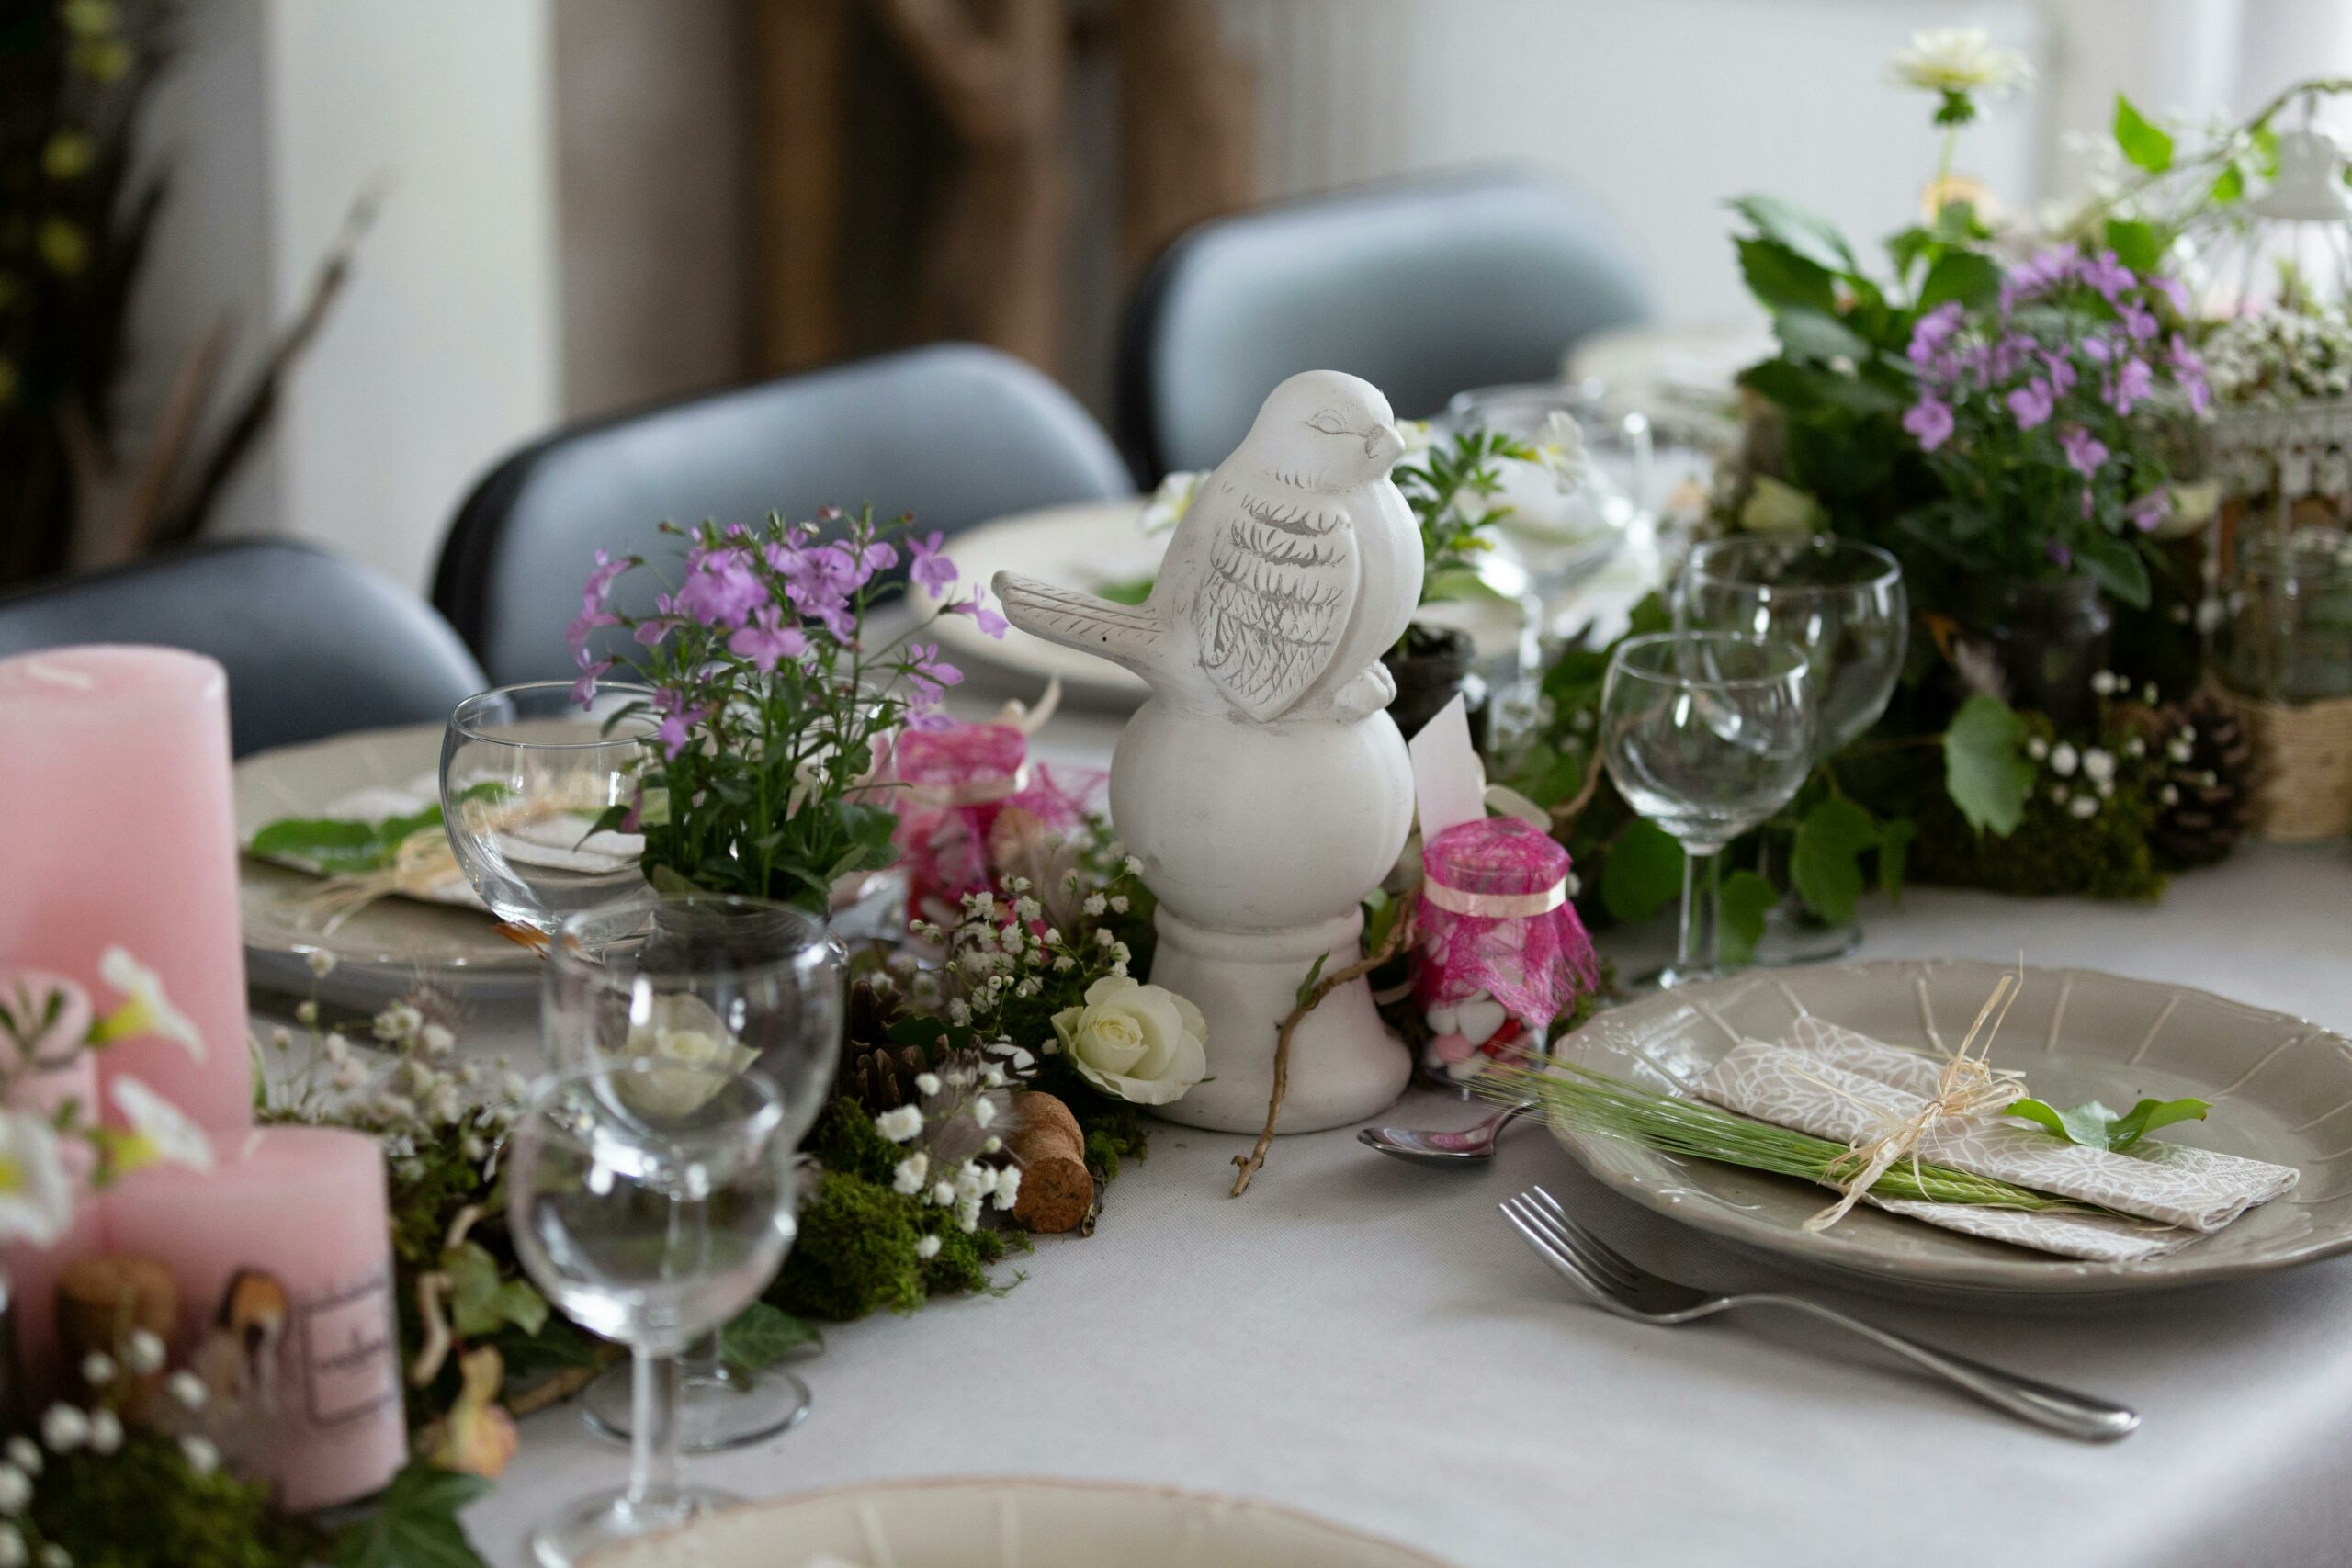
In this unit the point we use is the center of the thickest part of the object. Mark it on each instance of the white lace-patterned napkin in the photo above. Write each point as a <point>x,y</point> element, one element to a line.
<point>1834,1083</point>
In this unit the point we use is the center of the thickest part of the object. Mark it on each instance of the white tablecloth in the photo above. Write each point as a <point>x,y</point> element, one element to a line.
<point>1371,1342</point>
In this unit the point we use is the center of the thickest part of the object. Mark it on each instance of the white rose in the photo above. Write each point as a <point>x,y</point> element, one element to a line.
<point>1143,1043</point>
<point>690,1051</point>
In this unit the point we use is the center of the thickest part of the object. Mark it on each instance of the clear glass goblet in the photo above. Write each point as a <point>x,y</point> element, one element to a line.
<point>1563,525</point>
<point>526,773</point>
<point>701,979</point>
<point>1705,734</point>
<point>651,1203</point>
<point>1842,603</point>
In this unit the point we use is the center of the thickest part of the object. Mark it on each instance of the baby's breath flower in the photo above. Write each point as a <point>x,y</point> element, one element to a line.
<point>188,1388</point>
<point>1096,903</point>
<point>320,962</point>
<point>910,1173</point>
<point>927,1082</point>
<point>25,1454</point>
<point>98,1369</point>
<point>436,1040</point>
<point>65,1428</point>
<point>106,1431</point>
<point>901,1124</point>
<point>1119,902</point>
<point>201,1456</point>
<point>943,1193</point>
<point>306,1013</point>
<point>15,1489</point>
<point>1008,1187</point>
<point>928,1247</point>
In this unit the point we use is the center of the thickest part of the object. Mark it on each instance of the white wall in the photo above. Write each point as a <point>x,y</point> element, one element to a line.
<point>442,351</point>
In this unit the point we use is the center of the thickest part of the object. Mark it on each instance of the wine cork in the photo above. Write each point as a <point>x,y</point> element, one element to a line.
<point>103,1299</point>
<point>1056,1190</point>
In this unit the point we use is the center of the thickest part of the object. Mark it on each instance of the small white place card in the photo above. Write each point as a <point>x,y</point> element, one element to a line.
<point>1448,781</point>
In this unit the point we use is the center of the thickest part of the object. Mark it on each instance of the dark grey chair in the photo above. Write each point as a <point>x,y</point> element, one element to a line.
<point>314,645</point>
<point>953,433</point>
<point>1425,288</point>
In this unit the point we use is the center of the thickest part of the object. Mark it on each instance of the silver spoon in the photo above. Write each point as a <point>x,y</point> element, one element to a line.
<point>1469,1146</point>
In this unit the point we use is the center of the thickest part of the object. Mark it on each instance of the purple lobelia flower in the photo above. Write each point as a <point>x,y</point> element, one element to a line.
<point>2085,452</point>
<point>988,620</point>
<point>927,675</point>
<point>721,588</point>
<point>2107,274</point>
<point>1929,333</point>
<point>2058,553</point>
<point>583,691</point>
<point>2150,511</point>
<point>1929,420</point>
<point>2129,385</point>
<point>931,571</point>
<point>766,641</point>
<point>2031,403</point>
<point>675,732</point>
<point>595,604</point>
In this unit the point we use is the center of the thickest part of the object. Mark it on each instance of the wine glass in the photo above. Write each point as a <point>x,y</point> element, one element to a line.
<point>709,979</point>
<point>1563,529</point>
<point>651,1203</point>
<point>1706,734</point>
<point>526,771</point>
<point>1843,603</point>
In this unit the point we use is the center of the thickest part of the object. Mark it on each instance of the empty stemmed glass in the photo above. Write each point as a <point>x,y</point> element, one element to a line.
<point>1842,603</point>
<point>1567,517</point>
<point>526,771</point>
<point>1706,734</point>
<point>650,1201</point>
<point>698,980</point>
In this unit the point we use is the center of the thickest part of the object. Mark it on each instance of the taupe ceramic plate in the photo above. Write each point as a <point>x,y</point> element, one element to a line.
<point>393,945</point>
<point>1021,1523</point>
<point>2281,1091</point>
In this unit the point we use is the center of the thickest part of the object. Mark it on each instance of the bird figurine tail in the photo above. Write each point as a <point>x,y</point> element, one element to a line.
<point>1134,636</point>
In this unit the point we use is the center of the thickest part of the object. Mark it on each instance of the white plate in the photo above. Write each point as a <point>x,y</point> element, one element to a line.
<point>2280,1088</point>
<point>1010,1524</point>
<point>394,944</point>
<point>1094,545</point>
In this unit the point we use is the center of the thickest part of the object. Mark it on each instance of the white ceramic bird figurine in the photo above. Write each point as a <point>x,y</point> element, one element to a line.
<point>1297,565</point>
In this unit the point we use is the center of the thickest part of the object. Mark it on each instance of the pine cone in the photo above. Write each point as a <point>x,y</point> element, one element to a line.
<point>875,1071</point>
<point>2203,802</point>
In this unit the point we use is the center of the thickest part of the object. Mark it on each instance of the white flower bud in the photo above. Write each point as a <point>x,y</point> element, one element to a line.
<point>2062,758</point>
<point>65,1428</point>
<point>201,1456</point>
<point>98,1369</point>
<point>928,1247</point>
<point>188,1390</point>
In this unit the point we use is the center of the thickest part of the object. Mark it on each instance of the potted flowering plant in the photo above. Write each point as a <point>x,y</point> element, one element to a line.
<point>775,706</point>
<point>2036,411</point>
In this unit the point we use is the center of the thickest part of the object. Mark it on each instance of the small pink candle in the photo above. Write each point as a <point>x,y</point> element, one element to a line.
<point>120,833</point>
<point>32,1273</point>
<point>304,1207</point>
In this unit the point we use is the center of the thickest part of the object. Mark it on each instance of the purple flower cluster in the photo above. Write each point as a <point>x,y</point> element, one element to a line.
<point>2029,397</point>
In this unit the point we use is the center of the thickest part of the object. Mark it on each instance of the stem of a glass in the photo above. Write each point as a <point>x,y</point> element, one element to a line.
<point>1700,948</point>
<point>653,1429</point>
<point>701,1360</point>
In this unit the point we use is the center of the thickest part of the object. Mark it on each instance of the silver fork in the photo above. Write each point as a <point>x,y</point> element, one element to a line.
<point>1629,1291</point>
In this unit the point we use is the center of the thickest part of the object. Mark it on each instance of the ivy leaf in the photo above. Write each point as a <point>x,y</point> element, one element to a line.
<point>1810,235</point>
<point>1314,975</point>
<point>414,1523</point>
<point>761,1334</point>
<point>1827,862</point>
<point>1894,852</point>
<point>1643,873</point>
<point>2146,145</point>
<point>1747,897</point>
<point>1985,770</point>
<point>480,1301</point>
<point>2135,243</point>
<point>1969,277</point>
<point>2094,1127</point>
<point>1780,278</point>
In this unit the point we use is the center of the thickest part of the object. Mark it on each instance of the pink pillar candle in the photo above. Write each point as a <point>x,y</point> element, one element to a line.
<point>121,834</point>
<point>306,1208</point>
<point>32,1273</point>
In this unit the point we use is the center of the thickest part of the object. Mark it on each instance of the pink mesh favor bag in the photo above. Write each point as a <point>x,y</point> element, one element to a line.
<point>956,783</point>
<point>1500,952</point>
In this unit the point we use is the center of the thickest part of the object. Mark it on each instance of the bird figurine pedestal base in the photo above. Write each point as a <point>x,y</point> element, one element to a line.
<point>1263,787</point>
<point>1261,841</point>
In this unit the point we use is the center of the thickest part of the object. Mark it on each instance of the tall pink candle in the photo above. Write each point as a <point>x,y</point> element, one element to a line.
<point>120,833</point>
<point>306,1208</point>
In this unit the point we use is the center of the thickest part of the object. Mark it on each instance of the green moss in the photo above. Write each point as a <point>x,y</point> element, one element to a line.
<point>845,1139</point>
<point>962,1262</point>
<point>2051,854</point>
<point>855,1254</point>
<point>185,1520</point>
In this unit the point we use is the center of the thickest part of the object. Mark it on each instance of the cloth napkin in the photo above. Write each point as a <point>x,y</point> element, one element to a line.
<point>1834,1083</point>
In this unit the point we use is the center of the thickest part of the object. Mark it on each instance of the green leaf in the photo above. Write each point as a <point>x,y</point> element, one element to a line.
<point>1780,278</point>
<point>1827,862</point>
<point>338,846</point>
<point>2228,187</point>
<point>1894,849</point>
<point>2094,1127</point>
<point>1969,277</point>
<point>1985,769</point>
<point>1381,913</point>
<point>2135,243</point>
<point>1314,975</point>
<point>1810,235</point>
<point>480,1301</point>
<point>1126,591</point>
<point>1643,872</point>
<point>2146,145</point>
<point>1747,897</point>
<point>2116,566</point>
<point>414,1523</point>
<point>1816,334</point>
<point>761,1334</point>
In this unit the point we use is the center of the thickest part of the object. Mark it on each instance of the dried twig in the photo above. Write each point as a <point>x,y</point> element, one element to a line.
<point>1568,810</point>
<point>1400,936</point>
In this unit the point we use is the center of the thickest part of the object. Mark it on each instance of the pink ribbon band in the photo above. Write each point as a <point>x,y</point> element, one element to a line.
<point>981,792</point>
<point>1495,905</point>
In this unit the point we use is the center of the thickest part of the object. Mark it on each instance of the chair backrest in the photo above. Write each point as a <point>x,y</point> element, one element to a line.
<point>314,645</point>
<point>955,433</point>
<point>1425,288</point>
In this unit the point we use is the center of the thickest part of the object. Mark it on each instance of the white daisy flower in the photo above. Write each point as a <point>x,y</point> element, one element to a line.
<point>1957,59</point>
